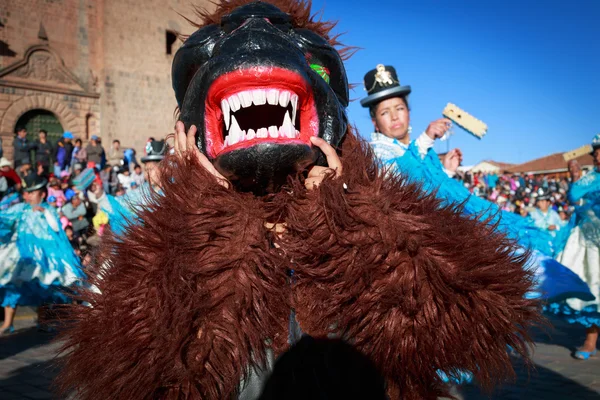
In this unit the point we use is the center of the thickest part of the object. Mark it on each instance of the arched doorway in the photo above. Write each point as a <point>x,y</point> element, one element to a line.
<point>37,119</point>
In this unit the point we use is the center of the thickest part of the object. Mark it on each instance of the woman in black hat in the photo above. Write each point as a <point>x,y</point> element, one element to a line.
<point>417,161</point>
<point>388,107</point>
<point>36,257</point>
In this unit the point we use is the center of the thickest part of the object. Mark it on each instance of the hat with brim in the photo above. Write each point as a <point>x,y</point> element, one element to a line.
<point>5,163</point>
<point>34,182</point>
<point>381,84</point>
<point>155,151</point>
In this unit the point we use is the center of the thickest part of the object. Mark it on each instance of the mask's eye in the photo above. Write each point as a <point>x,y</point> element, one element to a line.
<point>322,71</point>
<point>317,66</point>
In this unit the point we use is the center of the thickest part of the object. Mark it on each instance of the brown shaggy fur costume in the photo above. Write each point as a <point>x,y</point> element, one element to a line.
<point>199,289</point>
<point>196,291</point>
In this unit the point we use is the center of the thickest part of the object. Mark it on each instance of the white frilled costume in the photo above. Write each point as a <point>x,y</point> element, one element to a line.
<point>37,262</point>
<point>582,251</point>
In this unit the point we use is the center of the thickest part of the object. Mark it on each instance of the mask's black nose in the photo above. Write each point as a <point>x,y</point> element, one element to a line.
<point>259,10</point>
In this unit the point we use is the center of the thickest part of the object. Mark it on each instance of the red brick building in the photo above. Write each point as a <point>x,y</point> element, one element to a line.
<point>98,67</point>
<point>552,166</point>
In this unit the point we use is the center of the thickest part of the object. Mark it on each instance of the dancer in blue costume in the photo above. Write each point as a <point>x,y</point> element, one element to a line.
<point>419,163</point>
<point>36,258</point>
<point>582,251</point>
<point>121,210</point>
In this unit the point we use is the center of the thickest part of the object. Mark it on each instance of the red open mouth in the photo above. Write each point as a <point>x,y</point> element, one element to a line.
<point>258,105</point>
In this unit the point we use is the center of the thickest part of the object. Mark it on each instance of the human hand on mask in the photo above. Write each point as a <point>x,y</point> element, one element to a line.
<point>186,143</point>
<point>438,128</point>
<point>452,160</point>
<point>317,173</point>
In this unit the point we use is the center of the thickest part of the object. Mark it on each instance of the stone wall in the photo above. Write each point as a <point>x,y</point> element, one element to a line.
<point>101,66</point>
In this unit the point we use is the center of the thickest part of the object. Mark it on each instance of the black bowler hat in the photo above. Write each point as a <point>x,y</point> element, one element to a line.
<point>155,151</point>
<point>34,182</point>
<point>382,83</point>
<point>543,194</point>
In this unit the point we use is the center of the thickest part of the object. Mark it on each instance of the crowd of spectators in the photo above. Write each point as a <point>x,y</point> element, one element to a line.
<point>519,193</point>
<point>61,163</point>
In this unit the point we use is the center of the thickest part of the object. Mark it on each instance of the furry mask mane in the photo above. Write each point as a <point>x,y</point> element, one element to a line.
<point>200,289</point>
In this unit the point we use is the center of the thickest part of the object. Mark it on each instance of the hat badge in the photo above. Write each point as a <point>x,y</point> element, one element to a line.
<point>149,147</point>
<point>383,77</point>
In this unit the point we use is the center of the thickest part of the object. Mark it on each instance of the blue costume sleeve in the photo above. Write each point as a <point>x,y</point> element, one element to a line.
<point>119,214</point>
<point>8,218</point>
<point>429,173</point>
<point>587,184</point>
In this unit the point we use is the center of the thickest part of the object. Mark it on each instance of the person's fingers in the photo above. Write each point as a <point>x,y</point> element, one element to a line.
<point>333,160</point>
<point>179,135</point>
<point>191,138</point>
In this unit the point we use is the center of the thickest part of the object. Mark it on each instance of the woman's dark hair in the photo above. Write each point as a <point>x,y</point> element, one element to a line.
<point>373,108</point>
<point>78,141</point>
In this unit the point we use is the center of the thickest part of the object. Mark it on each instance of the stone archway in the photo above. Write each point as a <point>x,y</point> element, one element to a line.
<point>68,120</point>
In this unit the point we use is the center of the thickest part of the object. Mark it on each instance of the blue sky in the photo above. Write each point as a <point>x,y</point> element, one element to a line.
<point>529,69</point>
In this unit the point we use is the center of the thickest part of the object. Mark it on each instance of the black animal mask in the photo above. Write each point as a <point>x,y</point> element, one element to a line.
<point>258,88</point>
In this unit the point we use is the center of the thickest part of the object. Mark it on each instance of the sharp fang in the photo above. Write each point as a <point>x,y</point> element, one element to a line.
<point>262,133</point>
<point>225,109</point>
<point>235,133</point>
<point>284,98</point>
<point>273,132</point>
<point>245,98</point>
<point>273,96</point>
<point>287,128</point>
<point>294,101</point>
<point>234,103</point>
<point>251,134</point>
<point>259,96</point>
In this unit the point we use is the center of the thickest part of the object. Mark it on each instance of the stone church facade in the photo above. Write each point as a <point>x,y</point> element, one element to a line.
<point>92,67</point>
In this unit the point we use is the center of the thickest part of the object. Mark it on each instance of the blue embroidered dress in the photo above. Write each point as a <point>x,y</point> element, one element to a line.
<point>36,258</point>
<point>582,250</point>
<point>420,164</point>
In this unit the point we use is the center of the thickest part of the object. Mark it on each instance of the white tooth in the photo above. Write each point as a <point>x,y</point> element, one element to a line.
<point>294,100</point>
<point>225,142</point>
<point>284,98</point>
<point>273,131</point>
<point>251,134</point>
<point>262,133</point>
<point>297,134</point>
<point>245,98</point>
<point>273,96</point>
<point>242,136</point>
<point>259,97</point>
<point>235,132</point>
<point>234,102</point>
<point>287,127</point>
<point>225,108</point>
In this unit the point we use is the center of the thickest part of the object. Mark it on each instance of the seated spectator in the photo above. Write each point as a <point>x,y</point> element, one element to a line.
<point>55,191</point>
<point>138,175</point>
<point>77,168</point>
<point>75,211</point>
<point>24,169</point>
<point>125,179</point>
<point>13,181</point>
<point>71,236</point>
<point>52,201</point>
<point>116,156</point>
